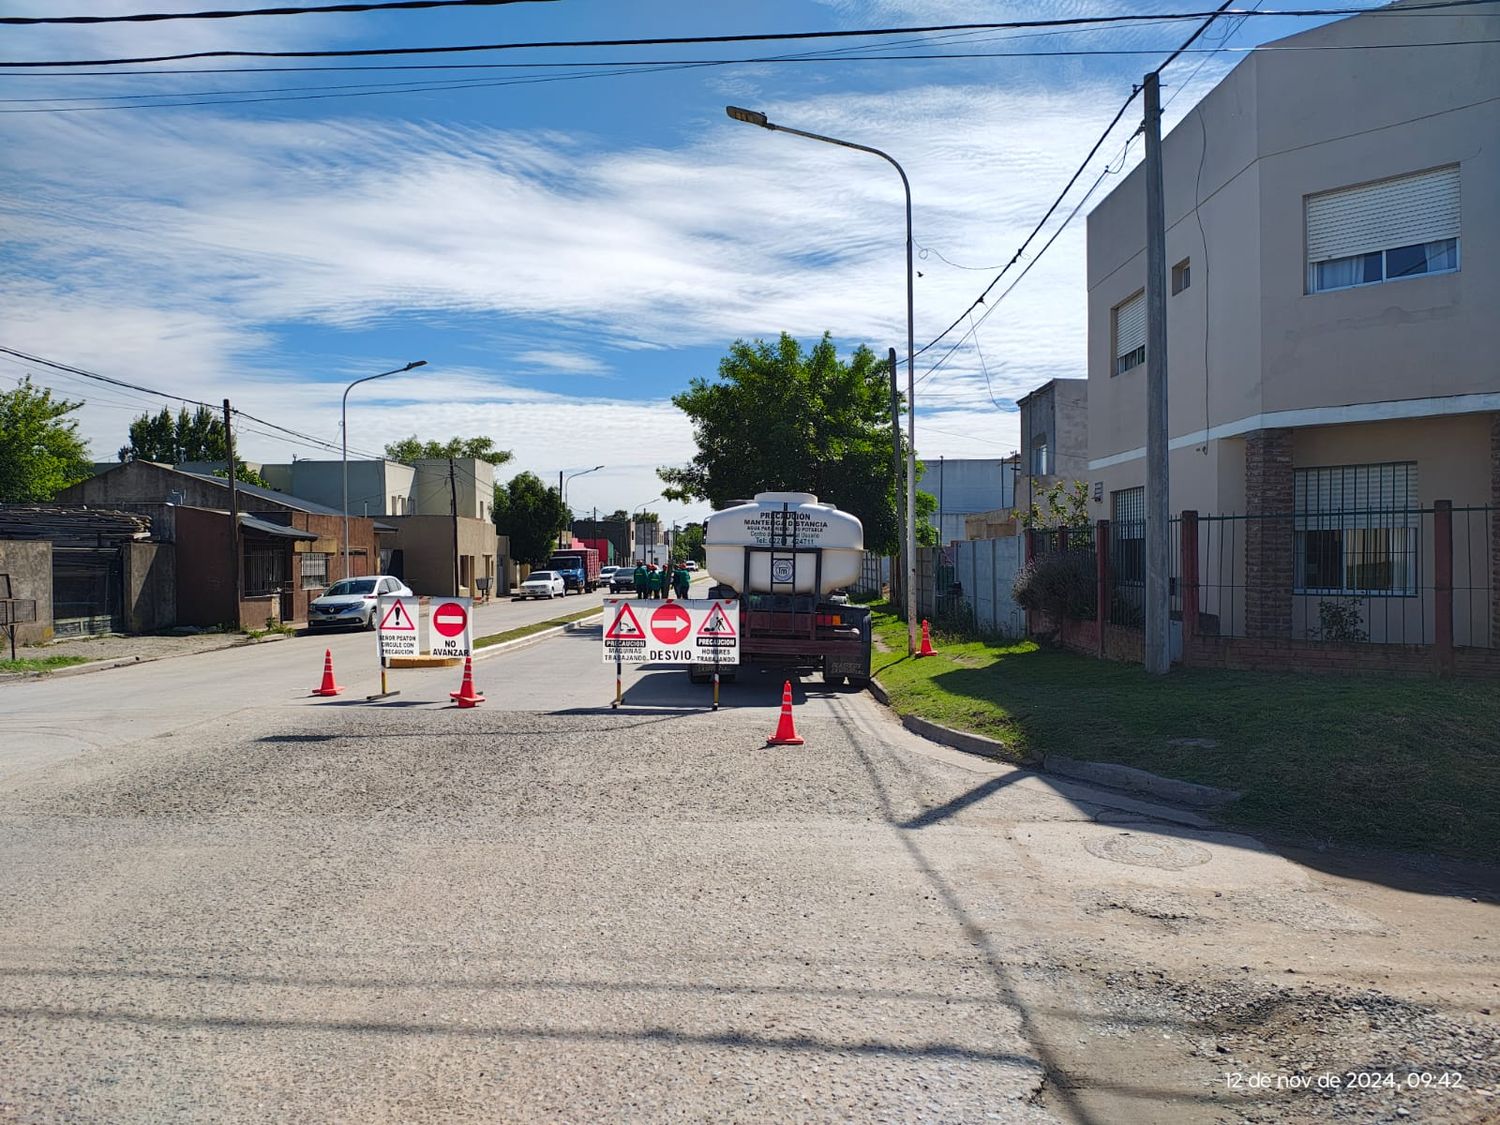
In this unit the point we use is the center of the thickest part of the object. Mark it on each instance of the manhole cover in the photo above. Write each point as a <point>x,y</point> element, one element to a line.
<point>1149,851</point>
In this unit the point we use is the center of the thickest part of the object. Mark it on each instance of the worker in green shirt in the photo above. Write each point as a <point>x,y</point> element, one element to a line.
<point>681,580</point>
<point>658,580</point>
<point>641,586</point>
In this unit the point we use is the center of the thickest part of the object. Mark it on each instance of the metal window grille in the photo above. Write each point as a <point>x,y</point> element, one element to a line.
<point>314,570</point>
<point>265,572</point>
<point>1356,529</point>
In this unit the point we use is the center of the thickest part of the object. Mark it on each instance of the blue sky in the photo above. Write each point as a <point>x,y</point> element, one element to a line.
<point>565,255</point>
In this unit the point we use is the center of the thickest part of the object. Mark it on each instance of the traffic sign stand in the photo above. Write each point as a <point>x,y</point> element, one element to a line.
<point>384,692</point>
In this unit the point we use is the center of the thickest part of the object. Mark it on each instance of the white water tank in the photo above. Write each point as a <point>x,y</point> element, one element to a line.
<point>782,520</point>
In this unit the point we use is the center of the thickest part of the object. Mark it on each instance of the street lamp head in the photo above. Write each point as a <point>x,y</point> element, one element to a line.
<point>415,363</point>
<point>748,116</point>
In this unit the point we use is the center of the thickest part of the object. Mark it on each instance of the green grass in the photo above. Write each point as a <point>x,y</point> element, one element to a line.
<point>527,630</point>
<point>1372,761</point>
<point>42,664</point>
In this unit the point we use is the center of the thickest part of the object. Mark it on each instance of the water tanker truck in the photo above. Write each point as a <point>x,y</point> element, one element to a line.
<point>782,555</point>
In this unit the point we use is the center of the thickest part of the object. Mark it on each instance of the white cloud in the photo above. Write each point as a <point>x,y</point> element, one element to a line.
<point>167,248</point>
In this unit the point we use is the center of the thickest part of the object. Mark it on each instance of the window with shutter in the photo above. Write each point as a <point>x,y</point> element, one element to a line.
<point>1130,333</point>
<point>1403,227</point>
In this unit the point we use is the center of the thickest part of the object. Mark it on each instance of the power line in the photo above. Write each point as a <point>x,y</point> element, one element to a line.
<point>159,17</point>
<point>94,375</point>
<point>1122,52</point>
<point>1073,179</point>
<point>1134,93</point>
<point>688,40</point>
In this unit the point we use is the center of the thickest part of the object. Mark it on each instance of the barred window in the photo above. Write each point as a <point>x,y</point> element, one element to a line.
<point>1128,534</point>
<point>265,571</point>
<point>314,570</point>
<point>1356,529</point>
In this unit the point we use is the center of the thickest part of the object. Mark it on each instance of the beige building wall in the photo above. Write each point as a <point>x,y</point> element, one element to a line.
<point>1248,347</point>
<point>472,483</point>
<point>426,544</point>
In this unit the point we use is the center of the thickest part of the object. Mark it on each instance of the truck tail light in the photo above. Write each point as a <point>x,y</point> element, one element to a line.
<point>830,619</point>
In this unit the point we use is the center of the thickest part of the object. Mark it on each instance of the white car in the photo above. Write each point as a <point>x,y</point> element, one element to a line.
<point>542,584</point>
<point>354,602</point>
<point>606,573</point>
<point>690,565</point>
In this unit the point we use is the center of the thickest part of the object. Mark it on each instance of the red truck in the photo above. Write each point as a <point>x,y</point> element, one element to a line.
<point>579,567</point>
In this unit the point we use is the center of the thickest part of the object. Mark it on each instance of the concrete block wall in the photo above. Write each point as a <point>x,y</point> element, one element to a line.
<point>29,564</point>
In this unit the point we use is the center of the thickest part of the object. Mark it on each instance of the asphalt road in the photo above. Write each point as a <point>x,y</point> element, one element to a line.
<point>252,905</point>
<point>52,718</point>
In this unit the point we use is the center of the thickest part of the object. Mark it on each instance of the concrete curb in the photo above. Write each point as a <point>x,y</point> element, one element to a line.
<point>131,661</point>
<point>1111,776</point>
<point>1132,780</point>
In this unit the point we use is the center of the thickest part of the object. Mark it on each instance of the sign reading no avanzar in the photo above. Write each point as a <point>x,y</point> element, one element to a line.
<point>671,632</point>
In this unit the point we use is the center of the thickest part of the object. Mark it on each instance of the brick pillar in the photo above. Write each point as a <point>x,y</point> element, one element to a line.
<point>1268,541</point>
<point>1495,530</point>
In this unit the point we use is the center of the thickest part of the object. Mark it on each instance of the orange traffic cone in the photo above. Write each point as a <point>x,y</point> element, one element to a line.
<point>926,649</point>
<point>786,730</point>
<point>466,696</point>
<point>327,687</point>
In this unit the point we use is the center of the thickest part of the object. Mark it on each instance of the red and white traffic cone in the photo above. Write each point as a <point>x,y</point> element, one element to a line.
<point>327,687</point>
<point>926,649</point>
<point>786,730</point>
<point>466,696</point>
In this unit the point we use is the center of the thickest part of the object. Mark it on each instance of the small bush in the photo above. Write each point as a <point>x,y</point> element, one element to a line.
<point>1339,621</point>
<point>1059,585</point>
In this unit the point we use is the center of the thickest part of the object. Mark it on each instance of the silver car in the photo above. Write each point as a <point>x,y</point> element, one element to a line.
<point>354,602</point>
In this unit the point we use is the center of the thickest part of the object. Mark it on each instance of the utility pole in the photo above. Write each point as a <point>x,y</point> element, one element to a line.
<point>896,467</point>
<point>1158,487</point>
<point>453,508</point>
<point>234,515</point>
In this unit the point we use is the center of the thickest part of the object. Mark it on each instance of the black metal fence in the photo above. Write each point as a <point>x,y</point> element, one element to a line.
<point>1417,576</point>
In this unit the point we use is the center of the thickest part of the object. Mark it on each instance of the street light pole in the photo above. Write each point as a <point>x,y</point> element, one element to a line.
<point>344,428</point>
<point>754,117</point>
<point>562,489</point>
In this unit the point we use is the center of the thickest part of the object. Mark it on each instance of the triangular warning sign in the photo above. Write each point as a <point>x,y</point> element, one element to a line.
<point>626,627</point>
<point>717,623</point>
<point>397,619</point>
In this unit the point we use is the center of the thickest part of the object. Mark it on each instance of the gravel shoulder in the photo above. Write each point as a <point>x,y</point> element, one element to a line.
<point>117,646</point>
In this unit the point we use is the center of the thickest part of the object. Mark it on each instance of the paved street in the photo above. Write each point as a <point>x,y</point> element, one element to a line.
<point>225,900</point>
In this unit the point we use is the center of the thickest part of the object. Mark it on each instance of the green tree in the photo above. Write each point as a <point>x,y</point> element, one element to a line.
<point>1062,504</point>
<point>531,514</point>
<point>175,439</point>
<point>779,418</point>
<point>40,450</point>
<point>927,532</point>
<point>413,448</point>
<point>689,543</point>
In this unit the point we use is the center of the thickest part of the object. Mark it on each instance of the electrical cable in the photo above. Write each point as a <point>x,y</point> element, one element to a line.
<point>161,17</point>
<point>1134,93</point>
<point>763,37</point>
<point>309,438</point>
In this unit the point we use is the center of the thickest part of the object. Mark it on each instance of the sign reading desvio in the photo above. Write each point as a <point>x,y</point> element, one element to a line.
<point>673,632</point>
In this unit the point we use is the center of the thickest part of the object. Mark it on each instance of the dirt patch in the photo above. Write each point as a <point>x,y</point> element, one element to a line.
<point>116,646</point>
